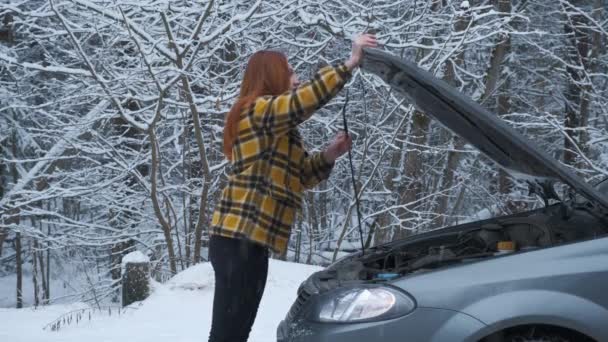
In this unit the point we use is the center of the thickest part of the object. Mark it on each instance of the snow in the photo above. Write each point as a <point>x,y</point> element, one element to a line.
<point>483,214</point>
<point>34,66</point>
<point>135,257</point>
<point>179,310</point>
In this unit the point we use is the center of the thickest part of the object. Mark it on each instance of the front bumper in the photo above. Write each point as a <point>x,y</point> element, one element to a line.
<point>423,324</point>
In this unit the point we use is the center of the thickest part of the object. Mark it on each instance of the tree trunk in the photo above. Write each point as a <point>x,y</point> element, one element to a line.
<point>577,101</point>
<point>505,184</point>
<point>2,238</point>
<point>382,233</point>
<point>6,29</point>
<point>311,238</point>
<point>492,76</point>
<point>453,158</point>
<point>14,219</point>
<point>48,268</point>
<point>298,250</point>
<point>313,218</point>
<point>37,254</point>
<point>598,50</point>
<point>324,215</point>
<point>372,232</point>
<point>404,189</point>
<point>35,274</point>
<point>3,179</point>
<point>447,180</point>
<point>166,228</point>
<point>499,53</point>
<point>187,94</point>
<point>187,198</point>
<point>176,230</point>
<point>413,171</point>
<point>18,265</point>
<point>45,287</point>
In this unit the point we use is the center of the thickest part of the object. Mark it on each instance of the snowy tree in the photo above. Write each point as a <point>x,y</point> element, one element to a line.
<point>111,118</point>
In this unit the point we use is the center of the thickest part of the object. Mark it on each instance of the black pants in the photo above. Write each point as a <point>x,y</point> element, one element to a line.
<point>241,267</point>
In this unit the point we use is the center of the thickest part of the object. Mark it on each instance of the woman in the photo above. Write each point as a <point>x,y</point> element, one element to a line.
<point>271,169</point>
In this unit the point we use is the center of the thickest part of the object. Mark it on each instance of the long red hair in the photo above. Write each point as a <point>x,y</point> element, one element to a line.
<point>267,73</point>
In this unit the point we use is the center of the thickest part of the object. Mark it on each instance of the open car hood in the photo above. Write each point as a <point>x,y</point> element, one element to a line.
<point>484,130</point>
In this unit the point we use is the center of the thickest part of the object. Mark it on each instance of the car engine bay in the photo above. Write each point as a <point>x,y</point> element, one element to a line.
<point>543,228</point>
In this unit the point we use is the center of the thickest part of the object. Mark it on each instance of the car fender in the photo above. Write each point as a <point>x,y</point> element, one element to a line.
<point>540,307</point>
<point>460,326</point>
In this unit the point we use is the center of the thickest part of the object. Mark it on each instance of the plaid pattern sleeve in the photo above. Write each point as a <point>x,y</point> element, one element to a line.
<point>284,112</point>
<point>315,170</point>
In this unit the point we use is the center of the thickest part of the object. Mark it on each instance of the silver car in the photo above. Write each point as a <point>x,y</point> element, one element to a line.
<point>540,275</point>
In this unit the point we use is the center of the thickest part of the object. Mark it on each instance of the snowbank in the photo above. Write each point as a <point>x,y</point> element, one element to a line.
<point>178,311</point>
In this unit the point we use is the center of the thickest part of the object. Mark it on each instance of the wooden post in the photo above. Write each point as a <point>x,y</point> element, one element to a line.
<point>135,278</point>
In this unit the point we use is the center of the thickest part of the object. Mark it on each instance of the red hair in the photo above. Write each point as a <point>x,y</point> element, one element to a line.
<point>267,73</point>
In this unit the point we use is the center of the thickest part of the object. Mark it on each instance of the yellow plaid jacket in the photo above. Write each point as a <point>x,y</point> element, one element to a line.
<point>270,167</point>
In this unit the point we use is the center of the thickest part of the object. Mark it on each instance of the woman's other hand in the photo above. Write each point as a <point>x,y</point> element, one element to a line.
<point>341,144</point>
<point>361,41</point>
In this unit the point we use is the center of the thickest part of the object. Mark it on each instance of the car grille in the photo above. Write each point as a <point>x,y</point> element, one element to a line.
<point>303,297</point>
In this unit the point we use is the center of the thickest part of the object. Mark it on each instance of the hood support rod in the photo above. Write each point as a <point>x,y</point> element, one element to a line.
<point>352,175</point>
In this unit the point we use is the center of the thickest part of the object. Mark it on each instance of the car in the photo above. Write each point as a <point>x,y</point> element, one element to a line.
<point>539,275</point>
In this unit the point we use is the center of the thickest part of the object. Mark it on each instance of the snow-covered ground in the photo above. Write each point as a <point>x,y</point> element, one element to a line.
<point>177,311</point>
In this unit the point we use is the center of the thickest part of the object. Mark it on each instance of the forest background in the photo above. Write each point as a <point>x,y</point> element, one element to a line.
<point>111,117</point>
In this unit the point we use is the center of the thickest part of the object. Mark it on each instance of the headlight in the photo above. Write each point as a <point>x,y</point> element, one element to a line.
<point>364,304</point>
